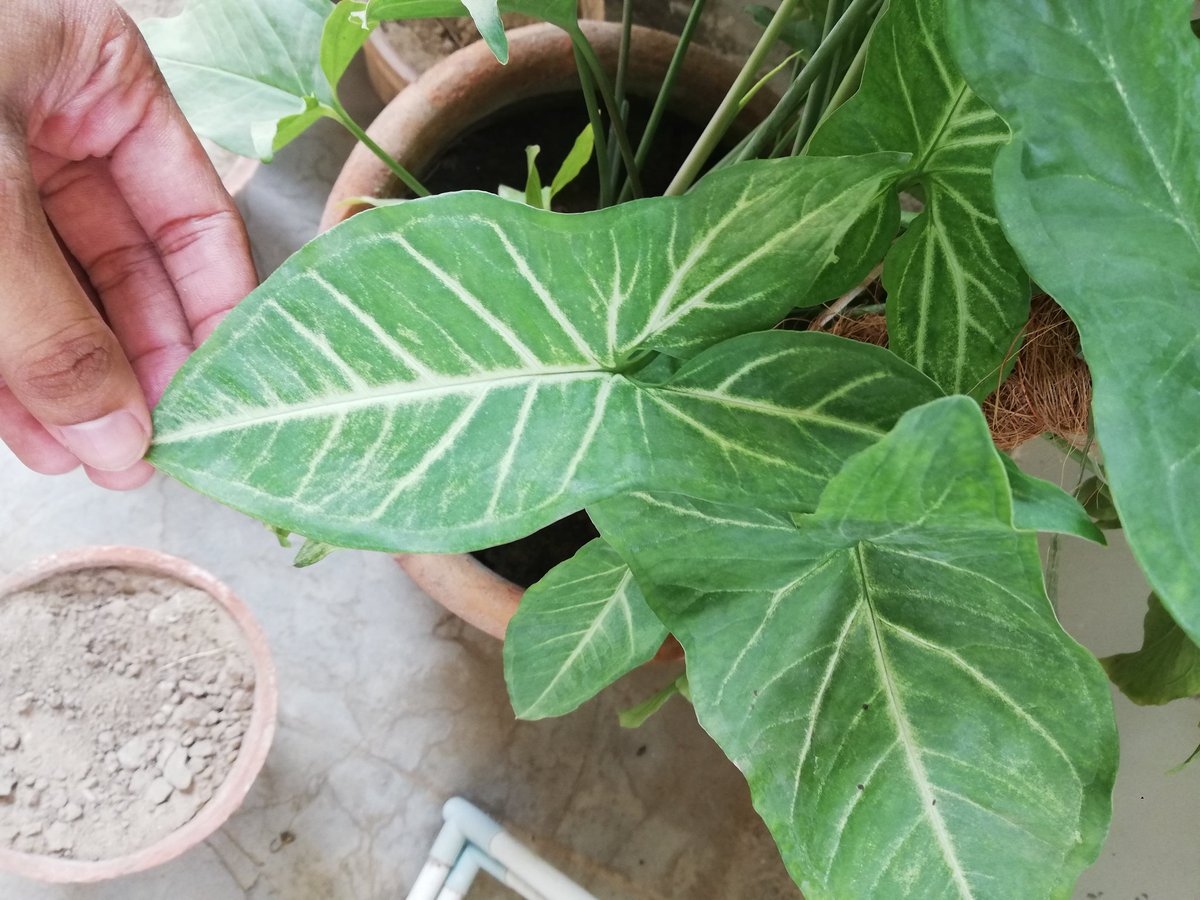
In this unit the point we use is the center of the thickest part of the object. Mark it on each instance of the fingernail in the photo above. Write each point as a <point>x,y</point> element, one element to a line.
<point>111,443</point>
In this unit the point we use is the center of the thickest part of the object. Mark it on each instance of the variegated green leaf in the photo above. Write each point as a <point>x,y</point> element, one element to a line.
<point>1100,194</point>
<point>957,296</point>
<point>577,631</point>
<point>252,76</point>
<point>459,371</point>
<point>888,672</point>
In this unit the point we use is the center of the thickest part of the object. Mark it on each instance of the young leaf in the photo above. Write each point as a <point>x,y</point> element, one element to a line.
<point>957,296</point>
<point>252,76</point>
<point>337,405</point>
<point>889,673</point>
<point>534,194</point>
<point>1041,506</point>
<point>576,159</point>
<point>311,552</point>
<point>1100,194</point>
<point>639,715</point>
<point>577,631</point>
<point>1166,668</point>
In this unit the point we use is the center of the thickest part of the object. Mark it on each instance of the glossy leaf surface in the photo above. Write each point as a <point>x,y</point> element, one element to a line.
<point>888,672</point>
<point>1166,668</point>
<point>446,375</point>
<point>957,296</point>
<point>577,631</point>
<point>1100,194</point>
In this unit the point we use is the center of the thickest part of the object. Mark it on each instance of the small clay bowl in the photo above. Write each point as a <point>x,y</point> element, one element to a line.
<point>255,743</point>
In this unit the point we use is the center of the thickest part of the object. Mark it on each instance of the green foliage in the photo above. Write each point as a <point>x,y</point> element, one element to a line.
<point>335,407</point>
<point>1100,195</point>
<point>957,297</point>
<point>849,563</point>
<point>253,76</point>
<point>639,715</point>
<point>577,631</point>
<point>1166,668</point>
<point>1041,506</point>
<point>898,741</point>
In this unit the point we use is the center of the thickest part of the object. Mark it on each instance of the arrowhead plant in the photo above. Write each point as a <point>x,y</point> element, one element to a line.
<point>825,526</point>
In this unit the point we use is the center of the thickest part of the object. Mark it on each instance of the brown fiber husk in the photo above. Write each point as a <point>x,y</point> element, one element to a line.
<point>1049,390</point>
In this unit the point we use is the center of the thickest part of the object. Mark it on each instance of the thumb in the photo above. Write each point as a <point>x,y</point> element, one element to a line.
<point>57,356</point>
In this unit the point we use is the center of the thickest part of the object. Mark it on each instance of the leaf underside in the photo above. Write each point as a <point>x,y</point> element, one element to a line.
<point>1100,194</point>
<point>247,75</point>
<point>888,672</point>
<point>1166,668</point>
<point>957,296</point>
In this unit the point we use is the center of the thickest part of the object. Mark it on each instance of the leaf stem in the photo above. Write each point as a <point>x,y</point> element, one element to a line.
<point>723,118</point>
<point>790,103</point>
<point>664,93</point>
<point>600,78</point>
<point>619,88</point>
<point>398,170</point>
<point>812,106</point>
<point>600,147</point>
<point>846,299</point>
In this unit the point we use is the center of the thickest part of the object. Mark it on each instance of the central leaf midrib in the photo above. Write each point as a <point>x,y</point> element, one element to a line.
<point>911,750</point>
<point>378,396</point>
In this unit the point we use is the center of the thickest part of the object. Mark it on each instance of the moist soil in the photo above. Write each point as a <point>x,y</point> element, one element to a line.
<point>124,698</point>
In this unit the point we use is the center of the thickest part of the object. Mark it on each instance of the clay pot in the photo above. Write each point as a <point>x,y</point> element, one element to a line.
<point>390,70</point>
<point>255,743</point>
<point>469,86</point>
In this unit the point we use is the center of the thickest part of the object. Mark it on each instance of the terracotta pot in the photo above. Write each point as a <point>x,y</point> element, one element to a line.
<point>255,743</point>
<point>390,71</point>
<point>469,86</point>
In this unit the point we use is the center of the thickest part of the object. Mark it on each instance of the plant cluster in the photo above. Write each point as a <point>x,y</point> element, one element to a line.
<point>827,528</point>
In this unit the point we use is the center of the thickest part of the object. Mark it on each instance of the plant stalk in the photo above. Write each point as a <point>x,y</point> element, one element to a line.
<point>664,93</point>
<point>723,118</point>
<point>790,103</point>
<point>398,170</point>
<point>600,147</point>
<point>812,106</point>
<point>600,79</point>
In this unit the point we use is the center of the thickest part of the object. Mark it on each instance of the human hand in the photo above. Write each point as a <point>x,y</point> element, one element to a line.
<point>93,149</point>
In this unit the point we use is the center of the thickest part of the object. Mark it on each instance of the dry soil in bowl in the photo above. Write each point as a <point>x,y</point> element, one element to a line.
<point>124,698</point>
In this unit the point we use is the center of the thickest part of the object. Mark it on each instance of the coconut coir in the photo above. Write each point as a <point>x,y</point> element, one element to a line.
<point>124,698</point>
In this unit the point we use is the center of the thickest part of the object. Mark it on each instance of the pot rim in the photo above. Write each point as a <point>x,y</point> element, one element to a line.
<point>255,743</point>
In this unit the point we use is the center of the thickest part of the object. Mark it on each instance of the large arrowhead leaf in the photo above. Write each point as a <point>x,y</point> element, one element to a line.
<point>577,631</point>
<point>250,76</point>
<point>1166,668</point>
<point>1100,194</point>
<point>456,372</point>
<point>957,296</point>
<point>888,672</point>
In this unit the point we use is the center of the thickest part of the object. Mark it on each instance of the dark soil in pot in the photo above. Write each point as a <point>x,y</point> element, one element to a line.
<point>493,152</point>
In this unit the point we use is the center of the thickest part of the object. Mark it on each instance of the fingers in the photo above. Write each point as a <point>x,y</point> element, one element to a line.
<point>123,267</point>
<point>58,358</point>
<point>175,194</point>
